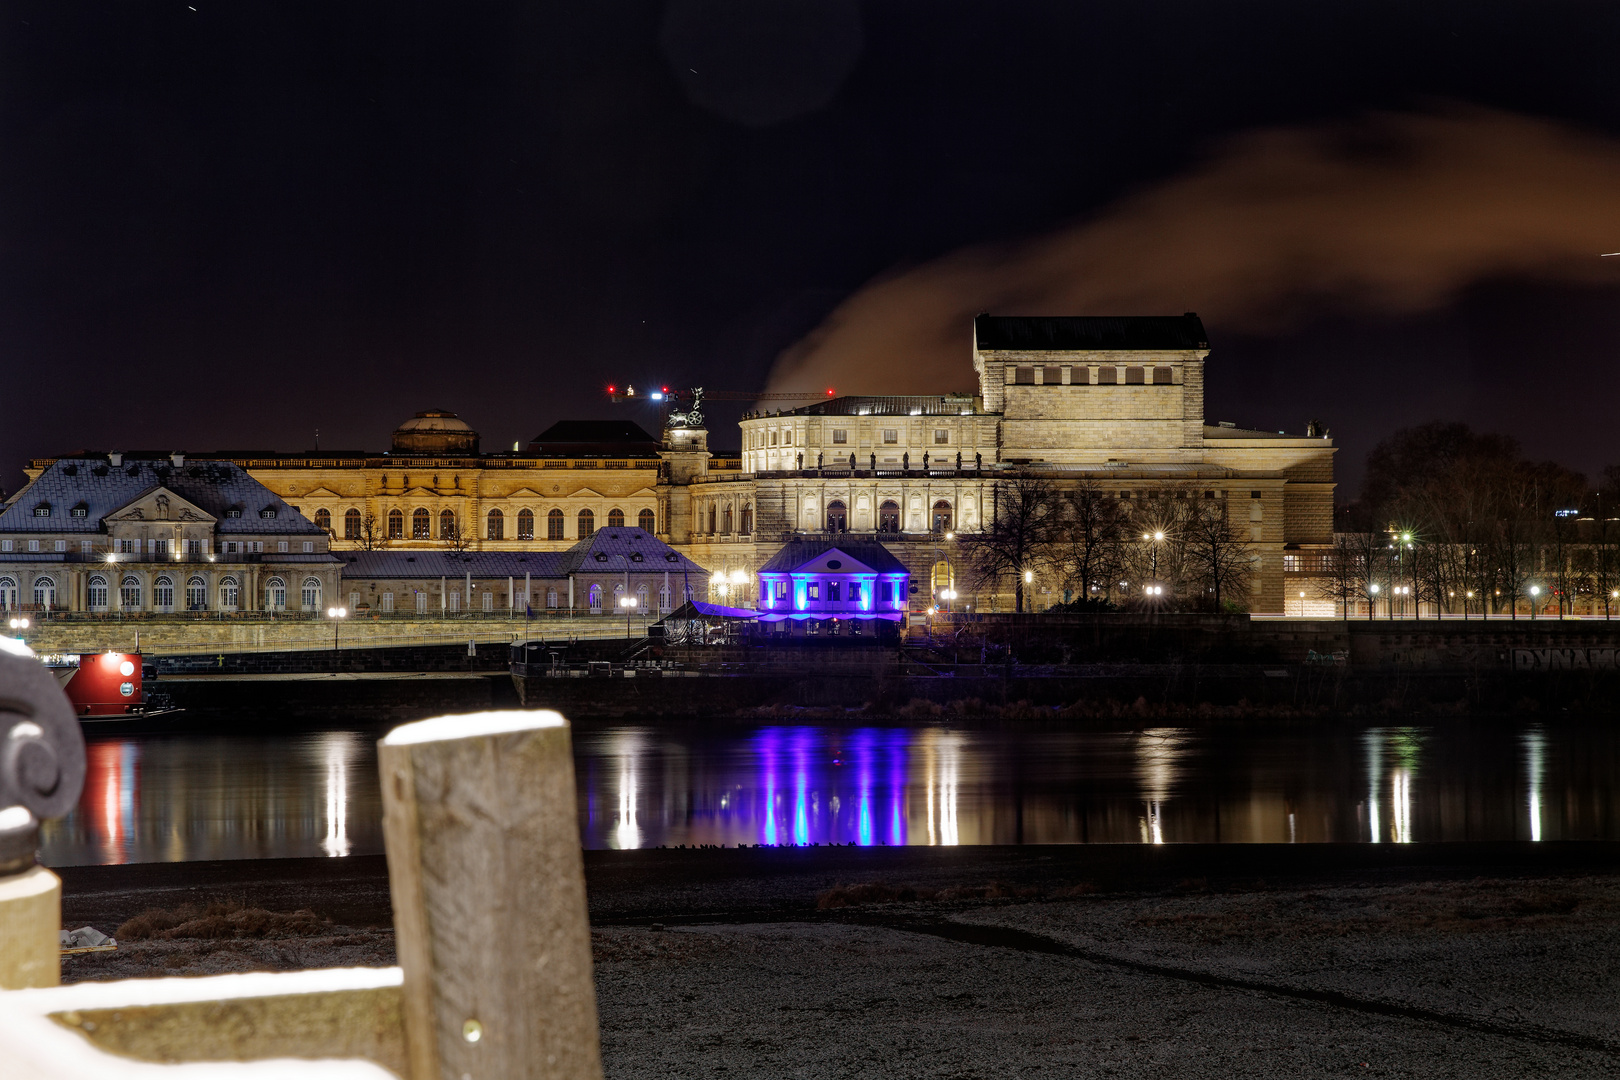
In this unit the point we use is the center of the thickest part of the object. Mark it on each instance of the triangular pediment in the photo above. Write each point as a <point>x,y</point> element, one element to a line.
<point>419,492</point>
<point>823,564</point>
<point>160,504</point>
<point>587,493</point>
<point>319,493</point>
<point>521,493</point>
<point>644,493</point>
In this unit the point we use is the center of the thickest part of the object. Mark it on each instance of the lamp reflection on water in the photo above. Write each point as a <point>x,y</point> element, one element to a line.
<point>336,843</point>
<point>626,831</point>
<point>1535,766</point>
<point>1156,754</point>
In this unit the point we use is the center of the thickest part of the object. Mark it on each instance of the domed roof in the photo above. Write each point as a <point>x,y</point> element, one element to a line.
<point>435,420</point>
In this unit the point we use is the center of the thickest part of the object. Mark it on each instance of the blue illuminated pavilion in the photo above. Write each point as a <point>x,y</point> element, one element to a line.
<point>833,579</point>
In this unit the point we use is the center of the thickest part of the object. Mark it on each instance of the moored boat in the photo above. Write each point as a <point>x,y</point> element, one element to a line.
<point>108,687</point>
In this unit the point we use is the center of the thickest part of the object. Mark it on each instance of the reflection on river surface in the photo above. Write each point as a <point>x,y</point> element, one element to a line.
<point>178,797</point>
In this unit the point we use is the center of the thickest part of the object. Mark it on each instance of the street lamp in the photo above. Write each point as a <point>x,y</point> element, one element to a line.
<point>336,614</point>
<point>628,602</point>
<point>1535,591</point>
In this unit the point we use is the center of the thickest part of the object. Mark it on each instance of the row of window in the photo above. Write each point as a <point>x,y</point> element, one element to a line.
<point>1106,376</point>
<point>888,516</point>
<point>494,524</point>
<point>722,517</point>
<point>155,546</point>
<point>131,598</point>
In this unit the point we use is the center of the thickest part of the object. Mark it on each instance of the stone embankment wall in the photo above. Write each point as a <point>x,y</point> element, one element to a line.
<point>171,635</point>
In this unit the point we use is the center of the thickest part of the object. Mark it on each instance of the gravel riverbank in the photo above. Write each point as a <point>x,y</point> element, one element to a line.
<point>1011,961</point>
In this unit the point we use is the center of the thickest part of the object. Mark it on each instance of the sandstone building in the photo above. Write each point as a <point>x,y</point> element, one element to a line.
<point>120,533</point>
<point>1116,400</point>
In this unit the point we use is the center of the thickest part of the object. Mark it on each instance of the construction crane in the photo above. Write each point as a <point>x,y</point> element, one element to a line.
<point>684,407</point>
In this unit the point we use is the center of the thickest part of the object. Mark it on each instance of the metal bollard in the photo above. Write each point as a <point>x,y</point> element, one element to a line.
<point>41,775</point>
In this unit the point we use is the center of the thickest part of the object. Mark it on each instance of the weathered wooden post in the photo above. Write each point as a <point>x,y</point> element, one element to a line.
<point>489,898</point>
<point>41,773</point>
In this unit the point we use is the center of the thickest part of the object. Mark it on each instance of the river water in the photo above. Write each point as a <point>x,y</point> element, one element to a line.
<point>185,797</point>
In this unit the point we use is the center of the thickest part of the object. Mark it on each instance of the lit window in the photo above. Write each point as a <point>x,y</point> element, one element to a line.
<point>351,524</point>
<point>97,593</point>
<point>495,525</point>
<point>196,594</point>
<point>310,594</point>
<point>228,594</point>
<point>420,523</point>
<point>891,435</point>
<point>840,435</point>
<point>525,525</point>
<point>44,593</point>
<point>163,594</point>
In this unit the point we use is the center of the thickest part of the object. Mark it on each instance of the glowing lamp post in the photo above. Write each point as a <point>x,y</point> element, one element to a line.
<point>1535,591</point>
<point>336,614</point>
<point>627,602</point>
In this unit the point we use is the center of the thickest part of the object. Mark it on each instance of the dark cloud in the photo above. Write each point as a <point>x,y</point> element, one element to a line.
<point>1389,214</point>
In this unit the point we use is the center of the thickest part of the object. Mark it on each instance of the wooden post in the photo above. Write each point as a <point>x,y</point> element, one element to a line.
<point>488,891</point>
<point>30,929</point>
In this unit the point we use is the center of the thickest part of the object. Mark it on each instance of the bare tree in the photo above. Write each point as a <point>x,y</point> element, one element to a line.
<point>458,540</point>
<point>371,537</point>
<point>1343,577</point>
<point>1087,535</point>
<point>1219,557</point>
<point>1017,538</point>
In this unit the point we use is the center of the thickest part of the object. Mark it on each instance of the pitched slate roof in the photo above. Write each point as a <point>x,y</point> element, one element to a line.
<point>594,438</point>
<point>795,553</point>
<point>1060,333</point>
<point>212,486</point>
<point>619,546</point>
<point>432,564</point>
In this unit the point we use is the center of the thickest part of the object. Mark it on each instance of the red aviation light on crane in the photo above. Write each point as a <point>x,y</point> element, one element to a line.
<point>830,391</point>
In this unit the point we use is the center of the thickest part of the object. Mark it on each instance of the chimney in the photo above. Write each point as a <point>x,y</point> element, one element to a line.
<point>115,459</point>
<point>178,458</point>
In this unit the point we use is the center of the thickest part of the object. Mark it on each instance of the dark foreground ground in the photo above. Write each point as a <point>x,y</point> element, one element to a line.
<point>1431,960</point>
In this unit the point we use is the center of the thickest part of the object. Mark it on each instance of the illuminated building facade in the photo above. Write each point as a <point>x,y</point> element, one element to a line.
<point>119,533</point>
<point>830,587</point>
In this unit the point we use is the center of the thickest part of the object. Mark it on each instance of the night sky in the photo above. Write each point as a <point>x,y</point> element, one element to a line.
<point>228,225</point>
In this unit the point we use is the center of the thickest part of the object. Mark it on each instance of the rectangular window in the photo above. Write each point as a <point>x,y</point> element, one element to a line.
<point>1024,376</point>
<point>1107,376</point>
<point>61,545</point>
<point>1254,494</point>
<point>421,603</point>
<point>1135,376</point>
<point>840,435</point>
<point>1162,377</point>
<point>5,545</point>
<point>787,438</point>
<point>773,438</point>
<point>489,600</point>
<point>813,591</point>
<point>886,592</point>
<point>781,590</point>
<point>891,436</point>
<point>281,545</point>
<point>86,546</point>
<point>33,545</point>
<point>1051,376</point>
<point>942,437</point>
<point>388,601</point>
<point>854,592</point>
<point>309,545</point>
<point>832,590</point>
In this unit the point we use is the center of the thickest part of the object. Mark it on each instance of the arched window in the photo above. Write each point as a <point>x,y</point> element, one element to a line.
<point>229,594</point>
<point>713,511</point>
<point>587,524</point>
<point>396,525</point>
<point>496,527</point>
<point>8,593</point>
<point>163,594</point>
<point>129,593</point>
<point>275,594</point>
<point>747,519</point>
<point>615,518</point>
<point>663,598</point>
<point>645,521</point>
<point>45,593</point>
<point>351,524</point>
<point>525,525</point>
<point>323,519</point>
<point>98,593</point>
<point>618,598</point>
<point>447,525</point>
<point>596,599</point>
<point>725,519</point>
<point>420,523</point>
<point>554,525</point>
<point>889,516</point>
<point>837,516</point>
<point>311,594</point>
<point>641,599</point>
<point>942,516</point>
<point>196,594</point>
